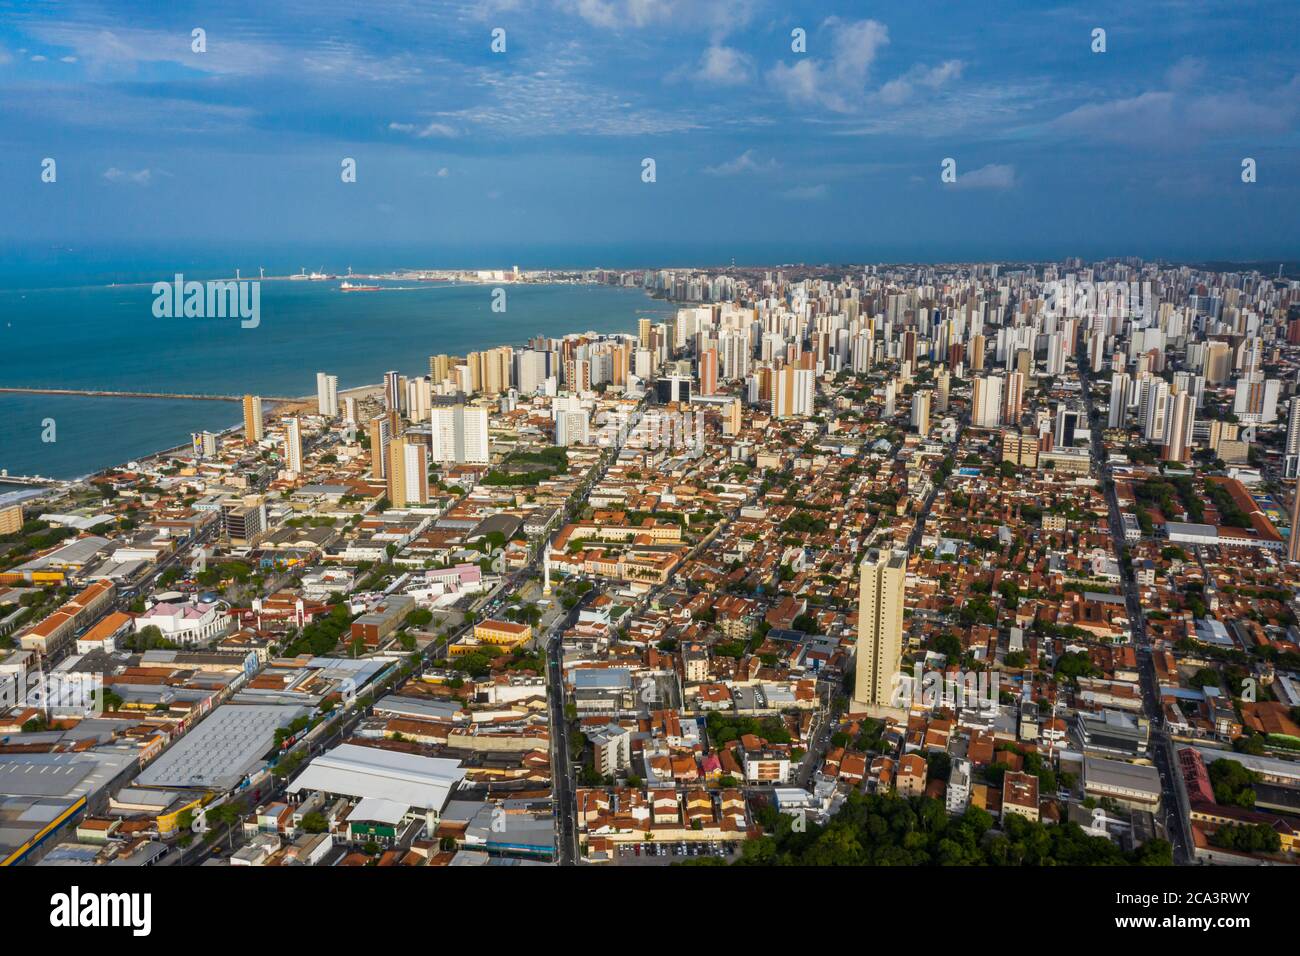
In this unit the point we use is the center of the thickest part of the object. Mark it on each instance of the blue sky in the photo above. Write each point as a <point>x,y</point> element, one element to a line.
<point>760,152</point>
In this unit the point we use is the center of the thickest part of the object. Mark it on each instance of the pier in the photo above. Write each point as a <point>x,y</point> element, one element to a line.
<point>99,393</point>
<point>36,480</point>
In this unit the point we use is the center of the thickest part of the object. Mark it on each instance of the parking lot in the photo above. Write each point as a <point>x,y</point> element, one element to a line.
<point>651,854</point>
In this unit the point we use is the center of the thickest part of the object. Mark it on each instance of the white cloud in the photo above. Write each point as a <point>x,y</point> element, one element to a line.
<point>902,88</point>
<point>746,162</point>
<point>717,15</point>
<point>123,49</point>
<point>427,131</point>
<point>1174,118</point>
<point>992,176</point>
<point>724,66</point>
<point>835,82</point>
<point>854,47</point>
<point>139,177</point>
<point>799,83</point>
<point>436,129</point>
<point>443,172</point>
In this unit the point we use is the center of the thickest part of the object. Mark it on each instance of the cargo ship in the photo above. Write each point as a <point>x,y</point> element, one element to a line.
<point>346,286</point>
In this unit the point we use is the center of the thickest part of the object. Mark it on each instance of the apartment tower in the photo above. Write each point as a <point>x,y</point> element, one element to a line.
<point>881,587</point>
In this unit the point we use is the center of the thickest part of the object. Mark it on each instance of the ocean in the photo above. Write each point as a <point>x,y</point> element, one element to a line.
<point>107,338</point>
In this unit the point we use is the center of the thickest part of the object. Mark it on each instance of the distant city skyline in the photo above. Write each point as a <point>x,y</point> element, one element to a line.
<point>832,154</point>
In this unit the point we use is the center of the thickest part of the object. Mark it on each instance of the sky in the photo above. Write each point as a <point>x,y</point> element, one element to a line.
<point>761,152</point>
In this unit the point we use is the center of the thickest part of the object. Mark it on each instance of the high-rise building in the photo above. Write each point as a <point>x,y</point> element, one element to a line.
<point>709,371</point>
<point>736,350</point>
<point>1067,427</point>
<point>408,473</point>
<point>793,392</point>
<point>1291,454</point>
<point>418,398</point>
<point>460,434</point>
<point>293,445</point>
<point>986,402</point>
<point>494,369</point>
<point>882,583</point>
<point>1293,550</point>
<point>381,433</point>
<point>571,420</point>
<point>731,418</point>
<point>11,519</point>
<point>1182,418</point>
<point>1218,362</point>
<point>1155,420</point>
<point>1014,405</point>
<point>577,375</point>
<point>327,395</point>
<point>941,396</point>
<point>1255,399</point>
<point>205,444</point>
<point>253,426</point>
<point>1019,448</point>
<point>1120,390</point>
<point>1057,344</point>
<point>392,391</point>
<point>921,412</point>
<point>531,370</point>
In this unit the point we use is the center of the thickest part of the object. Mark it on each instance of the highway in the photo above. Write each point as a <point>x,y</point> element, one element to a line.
<point>1160,745</point>
<point>563,797</point>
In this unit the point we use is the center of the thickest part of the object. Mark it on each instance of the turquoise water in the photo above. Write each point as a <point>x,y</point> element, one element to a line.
<point>108,338</point>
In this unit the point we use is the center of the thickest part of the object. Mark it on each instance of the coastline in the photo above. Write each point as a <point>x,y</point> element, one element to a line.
<point>626,323</point>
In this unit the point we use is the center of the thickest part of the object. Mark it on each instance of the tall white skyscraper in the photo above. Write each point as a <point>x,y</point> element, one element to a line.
<point>531,370</point>
<point>986,402</point>
<point>327,395</point>
<point>293,445</point>
<point>571,420</point>
<point>1291,455</point>
<point>1255,399</point>
<point>1120,385</point>
<point>1155,423</point>
<point>734,346</point>
<point>460,434</point>
<point>418,398</point>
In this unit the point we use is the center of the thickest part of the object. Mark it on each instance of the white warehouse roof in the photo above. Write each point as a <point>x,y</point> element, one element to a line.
<point>371,773</point>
